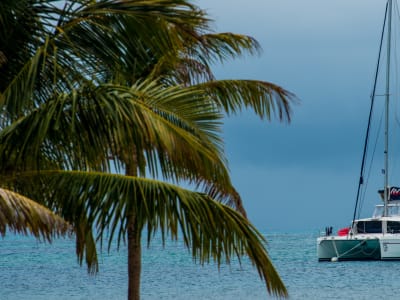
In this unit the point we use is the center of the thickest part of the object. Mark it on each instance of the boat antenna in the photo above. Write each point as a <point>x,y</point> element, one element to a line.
<point>361,181</point>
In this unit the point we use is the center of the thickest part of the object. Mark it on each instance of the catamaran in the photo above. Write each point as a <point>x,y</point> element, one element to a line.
<point>376,237</point>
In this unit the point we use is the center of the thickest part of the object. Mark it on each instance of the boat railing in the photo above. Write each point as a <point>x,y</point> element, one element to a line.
<point>393,210</point>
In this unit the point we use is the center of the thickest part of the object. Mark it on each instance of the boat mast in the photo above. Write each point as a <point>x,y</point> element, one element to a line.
<point>373,94</point>
<point>386,167</point>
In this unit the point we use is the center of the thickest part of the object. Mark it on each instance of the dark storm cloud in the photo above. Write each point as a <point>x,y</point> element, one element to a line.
<point>302,174</point>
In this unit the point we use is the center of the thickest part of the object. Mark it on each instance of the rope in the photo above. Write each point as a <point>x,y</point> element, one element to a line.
<point>356,246</point>
<point>362,196</point>
<point>361,181</point>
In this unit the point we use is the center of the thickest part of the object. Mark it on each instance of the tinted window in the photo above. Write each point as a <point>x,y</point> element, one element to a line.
<point>369,227</point>
<point>393,227</point>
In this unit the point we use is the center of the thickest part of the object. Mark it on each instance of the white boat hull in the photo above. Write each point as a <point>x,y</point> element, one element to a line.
<point>390,247</point>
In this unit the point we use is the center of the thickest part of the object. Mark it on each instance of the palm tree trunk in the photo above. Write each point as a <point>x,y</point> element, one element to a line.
<point>134,259</point>
<point>134,248</point>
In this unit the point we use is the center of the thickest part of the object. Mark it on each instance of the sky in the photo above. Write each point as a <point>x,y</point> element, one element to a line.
<point>303,175</point>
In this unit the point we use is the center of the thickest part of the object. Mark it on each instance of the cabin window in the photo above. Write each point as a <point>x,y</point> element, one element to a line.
<point>369,227</point>
<point>393,227</point>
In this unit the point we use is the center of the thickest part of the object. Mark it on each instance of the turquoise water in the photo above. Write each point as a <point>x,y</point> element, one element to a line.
<point>32,270</point>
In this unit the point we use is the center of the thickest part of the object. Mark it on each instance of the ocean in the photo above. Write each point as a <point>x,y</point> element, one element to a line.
<point>32,270</point>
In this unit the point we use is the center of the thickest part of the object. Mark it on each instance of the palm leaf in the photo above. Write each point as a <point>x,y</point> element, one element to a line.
<point>266,99</point>
<point>210,48</point>
<point>211,230</point>
<point>94,40</point>
<point>176,128</point>
<point>22,215</point>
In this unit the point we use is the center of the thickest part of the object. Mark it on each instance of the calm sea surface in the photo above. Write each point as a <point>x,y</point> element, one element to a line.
<point>32,270</point>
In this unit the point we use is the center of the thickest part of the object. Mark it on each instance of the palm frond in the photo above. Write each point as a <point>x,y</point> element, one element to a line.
<point>218,47</point>
<point>176,128</point>
<point>265,98</point>
<point>94,40</point>
<point>119,39</point>
<point>22,215</point>
<point>190,64</point>
<point>211,230</point>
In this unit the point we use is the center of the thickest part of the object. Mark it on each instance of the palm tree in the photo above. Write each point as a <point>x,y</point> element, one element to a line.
<point>71,103</point>
<point>188,65</point>
<point>80,201</point>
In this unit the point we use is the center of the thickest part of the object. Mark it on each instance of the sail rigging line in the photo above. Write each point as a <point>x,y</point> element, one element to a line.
<point>361,180</point>
<point>363,193</point>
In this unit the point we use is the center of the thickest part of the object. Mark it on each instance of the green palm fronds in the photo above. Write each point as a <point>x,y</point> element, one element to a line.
<point>211,230</point>
<point>91,85</point>
<point>22,215</point>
